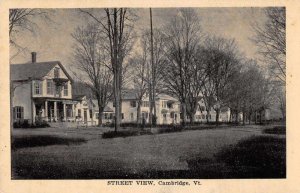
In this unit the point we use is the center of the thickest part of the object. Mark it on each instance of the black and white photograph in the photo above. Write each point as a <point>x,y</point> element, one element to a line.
<point>148,93</point>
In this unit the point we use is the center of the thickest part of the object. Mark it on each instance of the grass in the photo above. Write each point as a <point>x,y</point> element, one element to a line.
<point>43,140</point>
<point>207,154</point>
<point>279,130</point>
<point>263,156</point>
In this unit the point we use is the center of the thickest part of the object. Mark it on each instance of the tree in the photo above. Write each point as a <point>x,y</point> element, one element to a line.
<point>155,66</point>
<point>139,78</point>
<point>221,59</point>
<point>271,42</point>
<point>183,37</point>
<point>195,83</point>
<point>116,25</point>
<point>22,20</point>
<point>249,91</point>
<point>90,59</point>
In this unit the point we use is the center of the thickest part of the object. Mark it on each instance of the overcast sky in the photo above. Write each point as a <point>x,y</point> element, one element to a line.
<point>53,41</point>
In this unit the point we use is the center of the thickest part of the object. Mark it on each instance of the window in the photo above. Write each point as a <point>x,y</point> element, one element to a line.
<point>66,89</point>
<point>97,115</point>
<point>131,116</point>
<point>50,87</point>
<point>165,117</point>
<point>57,90</point>
<point>132,104</point>
<point>56,73</point>
<point>164,104</point>
<point>18,112</point>
<point>79,112</point>
<point>203,117</point>
<point>144,115</point>
<point>38,87</point>
<point>145,104</point>
<point>107,115</point>
<point>172,115</point>
<point>122,115</point>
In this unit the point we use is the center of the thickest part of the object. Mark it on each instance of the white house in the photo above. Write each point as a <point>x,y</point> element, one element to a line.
<point>42,91</point>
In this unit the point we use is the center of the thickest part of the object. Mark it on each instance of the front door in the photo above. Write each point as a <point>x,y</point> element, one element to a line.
<point>85,116</point>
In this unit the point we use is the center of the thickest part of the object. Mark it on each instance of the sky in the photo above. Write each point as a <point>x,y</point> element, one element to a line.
<point>52,38</point>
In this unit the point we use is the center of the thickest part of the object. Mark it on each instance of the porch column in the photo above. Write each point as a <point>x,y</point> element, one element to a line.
<point>46,110</point>
<point>73,110</point>
<point>65,112</point>
<point>33,111</point>
<point>55,110</point>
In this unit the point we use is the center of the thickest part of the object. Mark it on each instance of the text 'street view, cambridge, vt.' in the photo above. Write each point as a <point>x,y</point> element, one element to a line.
<point>148,96</point>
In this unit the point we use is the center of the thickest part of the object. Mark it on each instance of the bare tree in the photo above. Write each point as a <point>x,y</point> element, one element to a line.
<point>139,71</point>
<point>116,25</point>
<point>195,83</point>
<point>155,67</point>
<point>22,20</point>
<point>90,59</point>
<point>183,35</point>
<point>221,59</point>
<point>271,41</point>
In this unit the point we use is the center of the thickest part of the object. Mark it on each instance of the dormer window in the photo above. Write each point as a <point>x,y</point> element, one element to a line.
<point>50,87</point>
<point>66,89</point>
<point>56,72</point>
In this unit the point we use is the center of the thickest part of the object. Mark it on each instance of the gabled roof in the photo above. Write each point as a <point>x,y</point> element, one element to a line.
<point>129,94</point>
<point>78,97</point>
<point>36,70</point>
<point>166,97</point>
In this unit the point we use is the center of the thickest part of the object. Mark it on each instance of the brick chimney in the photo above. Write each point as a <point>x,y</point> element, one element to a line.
<point>33,57</point>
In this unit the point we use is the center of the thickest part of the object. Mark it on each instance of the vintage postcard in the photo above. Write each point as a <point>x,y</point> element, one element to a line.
<point>101,96</point>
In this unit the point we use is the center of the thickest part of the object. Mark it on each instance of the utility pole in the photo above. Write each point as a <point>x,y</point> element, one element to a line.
<point>151,93</point>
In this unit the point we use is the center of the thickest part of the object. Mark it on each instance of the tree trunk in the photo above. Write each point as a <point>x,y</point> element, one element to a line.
<point>138,115</point>
<point>255,117</point>
<point>249,118</point>
<point>100,115</point>
<point>183,114</point>
<point>217,116</point>
<point>154,113</point>
<point>260,117</point>
<point>150,106</point>
<point>207,115</point>
<point>244,117</point>
<point>236,117</point>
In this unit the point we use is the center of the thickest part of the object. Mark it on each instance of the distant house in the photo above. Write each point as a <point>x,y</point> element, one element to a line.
<point>42,91</point>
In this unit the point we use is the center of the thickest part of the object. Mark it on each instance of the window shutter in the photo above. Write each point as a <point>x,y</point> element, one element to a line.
<point>14,113</point>
<point>22,112</point>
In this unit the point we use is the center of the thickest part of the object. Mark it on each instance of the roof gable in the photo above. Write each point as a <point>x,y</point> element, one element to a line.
<point>36,70</point>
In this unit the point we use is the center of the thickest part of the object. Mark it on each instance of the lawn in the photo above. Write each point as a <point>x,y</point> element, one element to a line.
<point>169,155</point>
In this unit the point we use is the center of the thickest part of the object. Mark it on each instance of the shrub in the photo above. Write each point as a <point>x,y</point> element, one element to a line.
<point>170,129</point>
<point>21,124</point>
<point>43,140</point>
<point>126,133</point>
<point>25,124</point>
